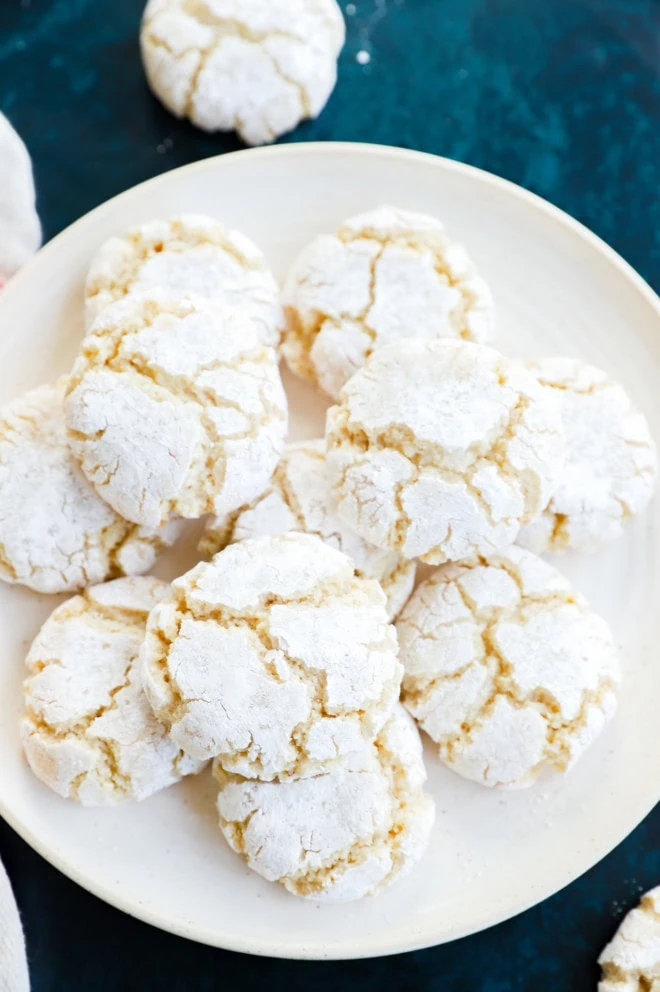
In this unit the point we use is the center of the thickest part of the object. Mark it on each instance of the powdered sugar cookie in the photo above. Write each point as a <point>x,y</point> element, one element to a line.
<point>385,275</point>
<point>340,835</point>
<point>506,668</point>
<point>175,409</point>
<point>631,961</point>
<point>299,499</point>
<point>88,731</point>
<point>274,657</point>
<point>442,449</point>
<point>185,255</point>
<point>56,534</point>
<point>255,66</point>
<point>611,460</point>
<point>20,230</point>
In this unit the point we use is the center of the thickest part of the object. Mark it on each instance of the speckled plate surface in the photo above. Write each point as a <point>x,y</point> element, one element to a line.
<point>493,854</point>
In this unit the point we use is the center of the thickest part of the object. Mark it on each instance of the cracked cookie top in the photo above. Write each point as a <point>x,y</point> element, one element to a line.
<point>441,450</point>
<point>299,499</point>
<point>274,657</point>
<point>174,408</point>
<point>56,534</point>
<point>506,668</point>
<point>342,834</point>
<point>631,961</point>
<point>189,254</point>
<point>255,66</point>
<point>88,730</point>
<point>611,460</point>
<point>385,275</point>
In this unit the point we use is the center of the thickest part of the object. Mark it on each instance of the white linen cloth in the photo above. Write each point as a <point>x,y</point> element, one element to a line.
<point>13,962</point>
<point>20,236</point>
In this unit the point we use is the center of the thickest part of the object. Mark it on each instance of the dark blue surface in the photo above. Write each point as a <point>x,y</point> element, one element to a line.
<point>561,96</point>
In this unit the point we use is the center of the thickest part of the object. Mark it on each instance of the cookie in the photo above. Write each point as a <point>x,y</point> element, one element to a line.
<point>441,450</point>
<point>274,657</point>
<point>19,223</point>
<point>56,534</point>
<point>611,460</point>
<point>631,961</point>
<point>299,499</point>
<point>506,668</point>
<point>340,835</point>
<point>187,255</point>
<point>88,730</point>
<point>175,409</point>
<point>255,66</point>
<point>385,275</point>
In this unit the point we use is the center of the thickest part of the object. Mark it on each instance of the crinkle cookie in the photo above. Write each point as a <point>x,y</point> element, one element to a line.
<point>631,961</point>
<point>56,534</point>
<point>442,449</point>
<point>88,730</point>
<point>506,668</point>
<point>255,66</point>
<point>611,460</point>
<point>385,275</point>
<point>174,408</point>
<point>340,835</point>
<point>299,499</point>
<point>274,657</point>
<point>187,255</point>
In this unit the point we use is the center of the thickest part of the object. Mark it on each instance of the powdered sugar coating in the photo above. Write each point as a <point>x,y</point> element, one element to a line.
<point>341,835</point>
<point>506,668</point>
<point>56,534</point>
<point>611,460</point>
<point>88,731</point>
<point>631,961</point>
<point>188,254</point>
<point>442,449</point>
<point>175,409</point>
<point>385,275</point>
<point>299,499</point>
<point>273,657</point>
<point>255,66</point>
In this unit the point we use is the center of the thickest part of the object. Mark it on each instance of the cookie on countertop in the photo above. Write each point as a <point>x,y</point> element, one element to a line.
<point>441,450</point>
<point>175,409</point>
<point>184,255</point>
<point>340,835</point>
<point>274,657</point>
<point>631,961</point>
<point>611,460</point>
<point>299,499</point>
<point>384,275</point>
<point>506,668</point>
<point>88,730</point>
<point>259,67</point>
<point>56,534</point>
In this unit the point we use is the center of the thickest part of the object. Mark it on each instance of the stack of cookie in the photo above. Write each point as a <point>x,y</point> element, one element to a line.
<point>276,658</point>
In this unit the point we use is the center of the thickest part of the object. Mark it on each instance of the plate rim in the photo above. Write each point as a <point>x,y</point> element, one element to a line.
<point>371,947</point>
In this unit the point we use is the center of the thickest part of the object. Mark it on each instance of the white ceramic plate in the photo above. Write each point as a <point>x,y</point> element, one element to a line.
<point>493,854</point>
